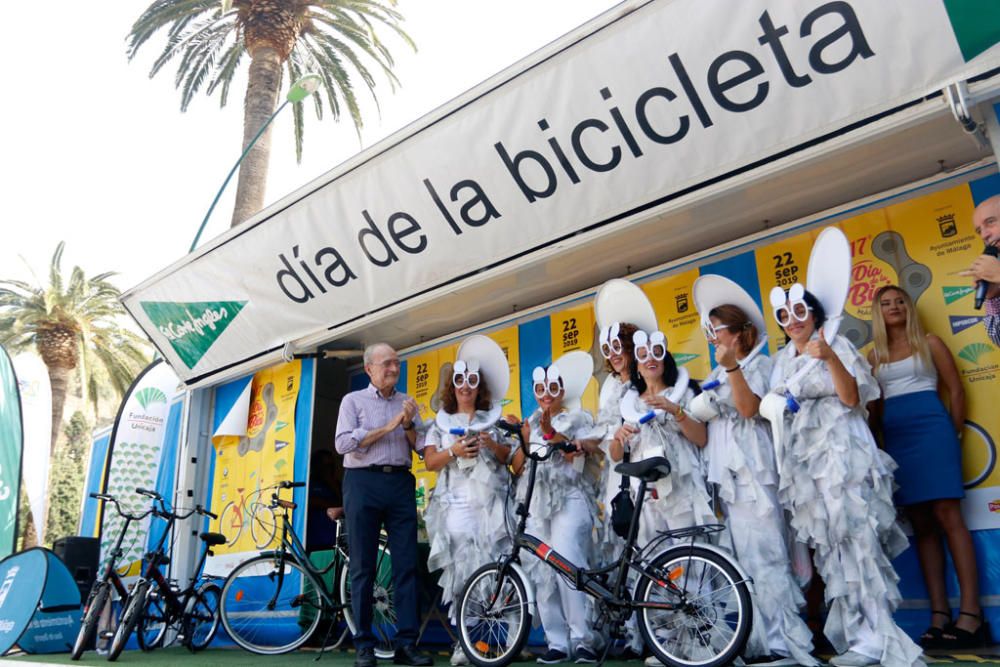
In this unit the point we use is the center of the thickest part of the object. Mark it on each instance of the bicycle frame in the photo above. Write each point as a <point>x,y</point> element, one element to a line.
<point>292,548</point>
<point>111,572</point>
<point>594,581</point>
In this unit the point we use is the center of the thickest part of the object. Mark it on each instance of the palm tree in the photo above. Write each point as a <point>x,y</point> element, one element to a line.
<point>74,325</point>
<point>334,38</point>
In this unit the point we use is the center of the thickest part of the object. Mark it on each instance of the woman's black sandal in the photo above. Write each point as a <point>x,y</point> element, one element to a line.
<point>954,637</point>
<point>932,635</point>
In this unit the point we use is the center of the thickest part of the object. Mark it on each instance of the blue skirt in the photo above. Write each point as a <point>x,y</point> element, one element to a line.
<point>919,435</point>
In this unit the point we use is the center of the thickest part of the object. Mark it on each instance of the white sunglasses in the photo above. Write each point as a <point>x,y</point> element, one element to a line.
<point>547,382</point>
<point>465,373</point>
<point>610,342</point>
<point>794,305</point>
<point>712,330</point>
<point>649,345</point>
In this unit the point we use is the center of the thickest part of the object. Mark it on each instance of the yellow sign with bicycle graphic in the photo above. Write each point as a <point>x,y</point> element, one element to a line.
<point>247,464</point>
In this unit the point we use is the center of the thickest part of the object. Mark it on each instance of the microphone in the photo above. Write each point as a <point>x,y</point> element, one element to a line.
<point>981,285</point>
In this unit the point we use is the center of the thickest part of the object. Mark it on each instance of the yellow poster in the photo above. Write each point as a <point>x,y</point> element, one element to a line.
<point>781,264</point>
<point>573,329</point>
<point>507,339</point>
<point>679,321</point>
<point>247,465</point>
<point>920,244</point>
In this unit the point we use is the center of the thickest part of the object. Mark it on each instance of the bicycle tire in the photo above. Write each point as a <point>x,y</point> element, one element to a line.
<point>492,636</point>
<point>384,620</point>
<point>153,623</point>
<point>98,598</point>
<point>223,517</point>
<point>262,529</point>
<point>130,617</point>
<point>708,629</point>
<point>201,616</point>
<point>253,622</point>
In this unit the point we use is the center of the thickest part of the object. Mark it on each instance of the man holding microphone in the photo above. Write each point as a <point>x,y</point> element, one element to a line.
<point>986,268</point>
<point>376,433</point>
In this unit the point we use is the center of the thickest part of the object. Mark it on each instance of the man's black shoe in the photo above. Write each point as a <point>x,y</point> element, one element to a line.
<point>409,655</point>
<point>365,658</point>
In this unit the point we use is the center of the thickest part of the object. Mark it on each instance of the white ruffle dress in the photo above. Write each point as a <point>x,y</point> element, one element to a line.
<point>563,514</point>
<point>682,498</point>
<point>466,511</point>
<point>740,463</point>
<point>837,485</point>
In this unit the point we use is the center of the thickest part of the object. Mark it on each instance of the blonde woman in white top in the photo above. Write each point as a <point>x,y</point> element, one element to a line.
<point>922,436</point>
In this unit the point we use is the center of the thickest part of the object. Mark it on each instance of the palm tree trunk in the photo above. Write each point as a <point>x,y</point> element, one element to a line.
<point>262,96</point>
<point>59,382</point>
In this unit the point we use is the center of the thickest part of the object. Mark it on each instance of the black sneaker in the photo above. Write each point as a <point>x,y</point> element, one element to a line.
<point>552,657</point>
<point>584,656</point>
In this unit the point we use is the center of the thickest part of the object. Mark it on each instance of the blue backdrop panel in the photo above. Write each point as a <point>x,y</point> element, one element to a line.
<point>534,339</point>
<point>742,270</point>
<point>95,479</point>
<point>167,471</point>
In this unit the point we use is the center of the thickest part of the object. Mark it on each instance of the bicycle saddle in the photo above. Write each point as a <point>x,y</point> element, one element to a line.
<point>648,470</point>
<point>213,539</point>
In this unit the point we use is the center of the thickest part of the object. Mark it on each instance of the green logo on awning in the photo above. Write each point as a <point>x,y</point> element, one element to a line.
<point>192,327</point>
<point>976,24</point>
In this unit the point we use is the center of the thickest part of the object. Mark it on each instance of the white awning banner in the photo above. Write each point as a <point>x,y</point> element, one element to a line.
<point>613,120</point>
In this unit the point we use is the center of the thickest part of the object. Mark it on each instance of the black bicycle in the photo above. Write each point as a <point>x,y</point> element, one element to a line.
<point>275,601</point>
<point>110,581</point>
<point>154,603</point>
<point>692,601</point>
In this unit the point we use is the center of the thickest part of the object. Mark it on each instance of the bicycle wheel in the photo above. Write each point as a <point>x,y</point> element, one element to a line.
<point>227,519</point>
<point>493,617</point>
<point>383,602</point>
<point>699,614</point>
<point>263,525</point>
<point>130,617</point>
<point>98,597</point>
<point>153,622</point>
<point>270,606</point>
<point>201,616</point>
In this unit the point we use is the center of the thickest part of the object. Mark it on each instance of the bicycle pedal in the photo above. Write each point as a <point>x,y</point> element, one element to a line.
<point>107,634</point>
<point>297,601</point>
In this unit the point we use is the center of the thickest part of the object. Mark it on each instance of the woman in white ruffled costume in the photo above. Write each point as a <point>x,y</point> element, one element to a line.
<point>681,499</point>
<point>615,342</point>
<point>465,515</point>
<point>563,510</point>
<point>837,485</point>
<point>740,458</point>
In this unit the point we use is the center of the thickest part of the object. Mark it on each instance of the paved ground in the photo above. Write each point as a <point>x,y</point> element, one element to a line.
<point>237,657</point>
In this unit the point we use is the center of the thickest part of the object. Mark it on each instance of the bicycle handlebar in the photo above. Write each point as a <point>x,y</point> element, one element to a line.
<point>290,485</point>
<point>515,429</point>
<point>201,510</point>
<point>118,508</point>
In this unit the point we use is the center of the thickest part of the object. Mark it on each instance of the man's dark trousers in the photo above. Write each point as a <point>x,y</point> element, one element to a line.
<point>372,498</point>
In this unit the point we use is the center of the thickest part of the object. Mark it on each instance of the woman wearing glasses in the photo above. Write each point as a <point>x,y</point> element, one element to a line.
<point>658,387</point>
<point>740,463</point>
<point>564,505</point>
<point>465,515</point>
<point>923,438</point>
<point>835,482</point>
<point>621,308</point>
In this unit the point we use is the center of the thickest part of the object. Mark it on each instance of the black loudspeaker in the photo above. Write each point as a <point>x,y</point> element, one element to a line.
<point>81,556</point>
